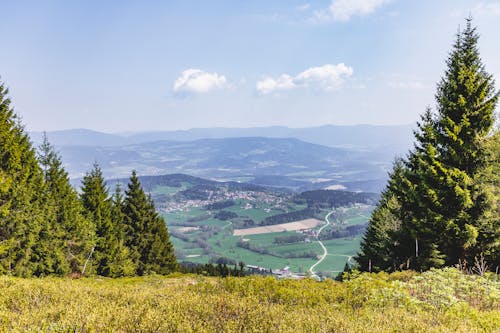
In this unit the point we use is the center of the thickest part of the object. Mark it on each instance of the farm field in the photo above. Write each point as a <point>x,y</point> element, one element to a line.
<point>208,240</point>
<point>291,226</point>
<point>230,223</point>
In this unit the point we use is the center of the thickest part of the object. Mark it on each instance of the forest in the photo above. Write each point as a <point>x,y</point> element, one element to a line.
<point>48,228</point>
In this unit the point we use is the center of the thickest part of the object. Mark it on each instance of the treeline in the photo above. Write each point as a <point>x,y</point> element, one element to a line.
<point>220,205</point>
<point>247,245</point>
<point>441,205</point>
<point>290,239</point>
<point>332,199</point>
<point>210,269</point>
<point>47,228</point>
<point>342,232</point>
<point>290,216</point>
<point>225,215</point>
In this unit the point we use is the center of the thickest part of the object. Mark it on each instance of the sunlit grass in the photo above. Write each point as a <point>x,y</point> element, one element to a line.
<point>437,301</point>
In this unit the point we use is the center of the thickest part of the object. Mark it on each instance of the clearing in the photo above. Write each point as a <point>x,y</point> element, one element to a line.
<point>291,226</point>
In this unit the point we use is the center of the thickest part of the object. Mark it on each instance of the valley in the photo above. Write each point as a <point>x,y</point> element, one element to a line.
<point>269,228</point>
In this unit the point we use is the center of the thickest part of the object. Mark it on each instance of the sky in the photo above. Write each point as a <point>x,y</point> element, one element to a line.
<point>129,66</point>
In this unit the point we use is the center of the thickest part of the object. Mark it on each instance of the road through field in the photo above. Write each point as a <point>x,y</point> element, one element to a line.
<point>325,251</point>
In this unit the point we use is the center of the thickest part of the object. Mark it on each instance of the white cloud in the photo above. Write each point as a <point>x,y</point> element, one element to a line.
<point>344,10</point>
<point>269,85</point>
<point>303,7</point>
<point>327,77</point>
<point>198,81</point>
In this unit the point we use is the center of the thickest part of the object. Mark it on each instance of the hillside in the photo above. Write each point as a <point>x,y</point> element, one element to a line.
<point>360,136</point>
<point>230,222</point>
<point>278,162</point>
<point>435,301</point>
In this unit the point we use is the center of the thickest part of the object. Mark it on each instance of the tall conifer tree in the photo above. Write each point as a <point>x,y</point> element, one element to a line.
<point>70,227</point>
<point>146,233</point>
<point>446,210</point>
<point>21,183</point>
<point>98,207</point>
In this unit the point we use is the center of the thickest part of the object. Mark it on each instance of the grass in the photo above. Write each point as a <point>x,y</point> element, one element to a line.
<point>435,301</point>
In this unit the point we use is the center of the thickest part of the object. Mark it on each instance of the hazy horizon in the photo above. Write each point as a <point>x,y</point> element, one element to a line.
<point>163,66</point>
<point>215,128</point>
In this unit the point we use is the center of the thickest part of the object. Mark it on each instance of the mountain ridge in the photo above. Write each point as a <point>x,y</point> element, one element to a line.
<point>330,135</point>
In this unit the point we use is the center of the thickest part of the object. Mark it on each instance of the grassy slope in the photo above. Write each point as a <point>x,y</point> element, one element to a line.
<point>440,301</point>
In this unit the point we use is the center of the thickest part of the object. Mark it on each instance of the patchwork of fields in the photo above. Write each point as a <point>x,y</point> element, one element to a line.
<point>202,235</point>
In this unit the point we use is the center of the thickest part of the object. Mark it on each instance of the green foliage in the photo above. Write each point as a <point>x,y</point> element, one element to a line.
<point>71,235</point>
<point>97,206</point>
<point>441,196</point>
<point>436,301</point>
<point>21,186</point>
<point>377,249</point>
<point>146,233</point>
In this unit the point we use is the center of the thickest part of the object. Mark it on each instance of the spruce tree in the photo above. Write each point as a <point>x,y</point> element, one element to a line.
<point>377,248</point>
<point>146,233</point>
<point>488,243</point>
<point>446,207</point>
<point>123,264</point>
<point>98,208</point>
<point>466,100</point>
<point>71,231</point>
<point>21,185</point>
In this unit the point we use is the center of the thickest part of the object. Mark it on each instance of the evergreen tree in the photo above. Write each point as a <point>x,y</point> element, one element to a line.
<point>377,249</point>
<point>70,231</point>
<point>98,208</point>
<point>146,233</point>
<point>446,209</point>
<point>466,101</point>
<point>489,224</point>
<point>123,264</point>
<point>21,183</point>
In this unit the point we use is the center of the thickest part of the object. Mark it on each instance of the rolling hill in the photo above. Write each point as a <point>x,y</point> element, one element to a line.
<point>295,163</point>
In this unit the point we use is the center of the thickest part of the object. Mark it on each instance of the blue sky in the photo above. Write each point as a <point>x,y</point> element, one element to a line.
<point>121,66</point>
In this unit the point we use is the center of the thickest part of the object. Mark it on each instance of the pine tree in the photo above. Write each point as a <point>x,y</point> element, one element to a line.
<point>446,209</point>
<point>123,264</point>
<point>70,231</point>
<point>21,182</point>
<point>161,258</point>
<point>488,242</point>
<point>146,233</point>
<point>377,249</point>
<point>98,208</point>
<point>466,102</point>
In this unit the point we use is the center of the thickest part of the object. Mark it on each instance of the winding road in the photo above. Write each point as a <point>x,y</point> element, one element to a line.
<point>325,251</point>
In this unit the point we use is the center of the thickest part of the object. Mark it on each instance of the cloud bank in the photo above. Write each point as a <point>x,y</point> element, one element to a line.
<point>198,81</point>
<point>344,10</point>
<point>327,77</point>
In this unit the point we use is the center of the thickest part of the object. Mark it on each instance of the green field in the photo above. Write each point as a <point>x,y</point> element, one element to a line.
<point>222,243</point>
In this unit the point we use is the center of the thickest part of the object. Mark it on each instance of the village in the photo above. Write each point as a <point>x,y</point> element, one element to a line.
<point>252,199</point>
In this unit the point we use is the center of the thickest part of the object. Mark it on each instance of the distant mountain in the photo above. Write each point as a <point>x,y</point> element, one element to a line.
<point>79,137</point>
<point>293,163</point>
<point>356,136</point>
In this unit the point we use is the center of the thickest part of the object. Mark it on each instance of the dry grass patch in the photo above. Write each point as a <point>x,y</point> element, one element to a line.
<point>291,226</point>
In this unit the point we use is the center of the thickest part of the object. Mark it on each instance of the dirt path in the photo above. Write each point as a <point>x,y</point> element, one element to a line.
<point>325,251</point>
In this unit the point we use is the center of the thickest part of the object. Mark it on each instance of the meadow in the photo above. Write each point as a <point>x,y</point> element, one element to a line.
<point>435,301</point>
<point>220,240</point>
